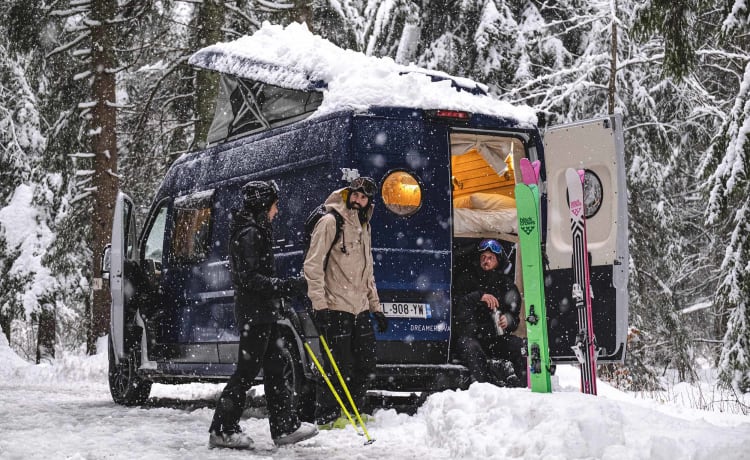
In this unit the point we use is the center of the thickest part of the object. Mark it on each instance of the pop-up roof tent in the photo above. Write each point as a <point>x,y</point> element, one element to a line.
<point>280,75</point>
<point>245,106</point>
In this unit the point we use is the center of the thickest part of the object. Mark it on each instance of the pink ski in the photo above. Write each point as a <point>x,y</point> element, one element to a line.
<point>585,347</point>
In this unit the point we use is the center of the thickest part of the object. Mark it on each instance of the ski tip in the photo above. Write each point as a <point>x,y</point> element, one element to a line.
<point>537,165</point>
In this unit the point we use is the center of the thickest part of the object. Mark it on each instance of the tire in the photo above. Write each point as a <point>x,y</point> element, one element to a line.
<point>302,389</point>
<point>125,385</point>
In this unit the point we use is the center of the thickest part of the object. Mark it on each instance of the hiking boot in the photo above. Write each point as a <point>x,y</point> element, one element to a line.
<point>237,440</point>
<point>342,422</point>
<point>338,424</point>
<point>305,431</point>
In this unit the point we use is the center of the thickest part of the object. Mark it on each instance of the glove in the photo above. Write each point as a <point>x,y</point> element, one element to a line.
<point>296,286</point>
<point>299,285</point>
<point>322,320</point>
<point>381,320</point>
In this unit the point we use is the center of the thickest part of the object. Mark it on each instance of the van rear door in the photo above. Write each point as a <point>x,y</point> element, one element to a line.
<point>595,146</point>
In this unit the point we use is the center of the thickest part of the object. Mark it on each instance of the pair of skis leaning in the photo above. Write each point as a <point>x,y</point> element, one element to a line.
<point>529,225</point>
<point>529,237</point>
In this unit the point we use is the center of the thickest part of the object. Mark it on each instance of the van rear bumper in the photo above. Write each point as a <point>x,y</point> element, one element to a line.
<point>421,377</point>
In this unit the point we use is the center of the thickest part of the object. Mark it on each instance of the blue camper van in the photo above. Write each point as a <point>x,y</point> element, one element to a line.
<point>446,177</point>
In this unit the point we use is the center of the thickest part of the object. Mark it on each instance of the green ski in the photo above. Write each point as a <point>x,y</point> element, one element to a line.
<point>527,204</point>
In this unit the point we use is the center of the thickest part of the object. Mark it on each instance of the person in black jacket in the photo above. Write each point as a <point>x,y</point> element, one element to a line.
<point>257,292</point>
<point>486,306</point>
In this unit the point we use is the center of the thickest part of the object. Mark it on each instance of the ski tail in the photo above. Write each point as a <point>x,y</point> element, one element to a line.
<point>585,347</point>
<point>530,171</point>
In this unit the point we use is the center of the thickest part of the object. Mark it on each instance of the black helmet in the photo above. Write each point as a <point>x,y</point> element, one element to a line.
<point>363,184</point>
<point>260,195</point>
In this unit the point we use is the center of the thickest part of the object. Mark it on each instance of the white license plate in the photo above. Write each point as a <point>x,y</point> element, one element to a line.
<point>406,309</point>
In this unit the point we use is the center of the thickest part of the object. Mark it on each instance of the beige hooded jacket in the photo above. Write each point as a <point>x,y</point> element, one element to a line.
<point>347,283</point>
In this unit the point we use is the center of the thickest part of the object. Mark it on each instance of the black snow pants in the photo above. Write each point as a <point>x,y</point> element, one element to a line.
<point>475,354</point>
<point>352,343</point>
<point>261,346</point>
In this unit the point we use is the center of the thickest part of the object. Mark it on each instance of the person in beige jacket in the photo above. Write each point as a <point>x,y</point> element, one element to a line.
<point>341,288</point>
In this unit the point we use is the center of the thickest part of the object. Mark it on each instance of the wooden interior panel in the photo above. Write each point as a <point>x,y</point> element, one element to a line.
<point>474,174</point>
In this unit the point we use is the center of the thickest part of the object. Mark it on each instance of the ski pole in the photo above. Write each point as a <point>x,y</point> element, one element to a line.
<point>346,389</point>
<point>330,385</point>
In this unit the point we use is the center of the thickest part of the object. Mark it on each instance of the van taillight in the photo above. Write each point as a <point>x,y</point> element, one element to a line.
<point>452,114</point>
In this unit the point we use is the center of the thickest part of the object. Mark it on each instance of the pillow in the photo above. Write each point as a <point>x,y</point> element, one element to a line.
<point>491,201</point>
<point>462,201</point>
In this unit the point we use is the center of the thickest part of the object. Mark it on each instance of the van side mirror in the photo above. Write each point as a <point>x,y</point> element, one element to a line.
<point>106,261</point>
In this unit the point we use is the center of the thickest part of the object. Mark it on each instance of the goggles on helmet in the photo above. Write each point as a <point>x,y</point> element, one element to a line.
<point>363,184</point>
<point>492,245</point>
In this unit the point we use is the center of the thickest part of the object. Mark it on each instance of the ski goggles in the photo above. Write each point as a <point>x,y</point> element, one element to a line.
<point>492,245</point>
<point>363,184</point>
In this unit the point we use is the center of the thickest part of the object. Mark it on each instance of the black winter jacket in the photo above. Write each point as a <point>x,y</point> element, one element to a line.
<point>257,290</point>
<point>471,317</point>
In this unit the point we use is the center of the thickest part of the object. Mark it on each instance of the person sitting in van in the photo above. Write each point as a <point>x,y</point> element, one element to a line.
<point>341,288</point>
<point>257,291</point>
<point>486,306</point>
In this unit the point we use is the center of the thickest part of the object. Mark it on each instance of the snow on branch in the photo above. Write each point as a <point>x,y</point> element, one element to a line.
<point>87,105</point>
<point>82,36</point>
<point>81,155</point>
<point>85,172</point>
<point>80,197</point>
<point>114,174</point>
<point>82,75</point>
<point>274,6</point>
<point>83,8</point>
<point>696,307</point>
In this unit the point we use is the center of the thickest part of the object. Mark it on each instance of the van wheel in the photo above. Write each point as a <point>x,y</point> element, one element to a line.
<point>302,389</point>
<point>125,385</point>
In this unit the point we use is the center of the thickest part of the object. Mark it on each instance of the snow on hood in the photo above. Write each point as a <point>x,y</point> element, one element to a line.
<point>292,57</point>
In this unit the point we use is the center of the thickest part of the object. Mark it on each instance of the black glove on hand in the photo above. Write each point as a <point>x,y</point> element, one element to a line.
<point>382,321</point>
<point>300,285</point>
<point>322,320</point>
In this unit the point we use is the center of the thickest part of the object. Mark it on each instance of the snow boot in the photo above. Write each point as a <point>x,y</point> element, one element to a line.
<point>237,440</point>
<point>305,431</point>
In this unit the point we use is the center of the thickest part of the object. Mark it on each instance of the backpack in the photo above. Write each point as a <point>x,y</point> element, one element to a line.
<point>310,223</point>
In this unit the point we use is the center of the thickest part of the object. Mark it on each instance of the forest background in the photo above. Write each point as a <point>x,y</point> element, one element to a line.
<point>96,95</point>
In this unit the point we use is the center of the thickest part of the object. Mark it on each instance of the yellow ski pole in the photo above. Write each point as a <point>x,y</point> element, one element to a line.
<point>330,385</point>
<point>346,389</point>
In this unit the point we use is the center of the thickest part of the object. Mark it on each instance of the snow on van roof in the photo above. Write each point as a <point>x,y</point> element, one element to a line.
<point>293,57</point>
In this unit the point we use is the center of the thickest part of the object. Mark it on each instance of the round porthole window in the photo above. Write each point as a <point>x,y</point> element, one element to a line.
<point>402,193</point>
<point>592,193</point>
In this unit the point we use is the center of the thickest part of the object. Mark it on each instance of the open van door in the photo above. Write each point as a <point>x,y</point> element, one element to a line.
<point>122,249</point>
<point>595,146</point>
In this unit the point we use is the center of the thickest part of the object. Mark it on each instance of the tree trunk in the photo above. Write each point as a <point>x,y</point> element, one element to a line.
<point>613,61</point>
<point>303,12</point>
<point>210,20</point>
<point>45,342</point>
<point>104,147</point>
<point>5,325</point>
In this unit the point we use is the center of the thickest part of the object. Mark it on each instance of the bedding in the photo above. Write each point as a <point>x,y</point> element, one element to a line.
<point>468,221</point>
<point>491,201</point>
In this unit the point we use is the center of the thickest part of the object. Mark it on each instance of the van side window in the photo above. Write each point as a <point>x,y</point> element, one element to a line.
<point>191,241</point>
<point>154,242</point>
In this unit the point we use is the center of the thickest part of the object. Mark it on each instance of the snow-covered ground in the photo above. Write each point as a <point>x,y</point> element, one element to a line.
<point>64,411</point>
